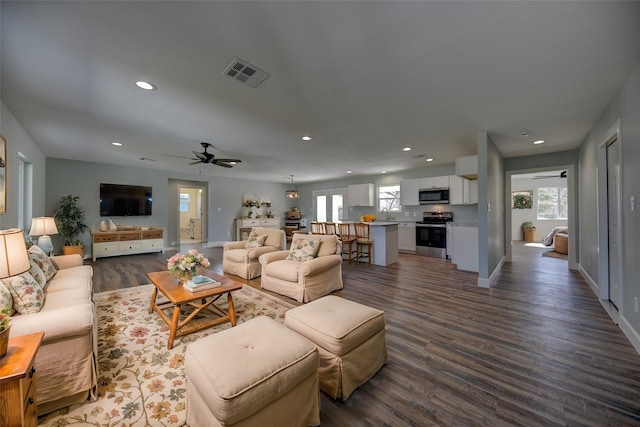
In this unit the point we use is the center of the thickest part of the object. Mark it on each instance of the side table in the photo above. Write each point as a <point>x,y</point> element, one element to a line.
<point>18,382</point>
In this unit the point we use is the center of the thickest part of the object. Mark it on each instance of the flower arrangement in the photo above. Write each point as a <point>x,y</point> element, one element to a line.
<point>5,319</point>
<point>185,265</point>
<point>249,203</point>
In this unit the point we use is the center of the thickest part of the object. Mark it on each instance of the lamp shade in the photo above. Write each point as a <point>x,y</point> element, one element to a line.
<point>13,253</point>
<point>43,226</point>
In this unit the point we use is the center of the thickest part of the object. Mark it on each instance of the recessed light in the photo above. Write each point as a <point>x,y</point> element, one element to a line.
<point>306,138</point>
<point>538,142</point>
<point>117,143</point>
<point>146,85</point>
<point>383,172</point>
<point>349,171</point>
<point>429,160</point>
<point>406,149</point>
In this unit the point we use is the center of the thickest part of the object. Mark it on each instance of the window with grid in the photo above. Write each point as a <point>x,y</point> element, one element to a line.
<point>553,203</point>
<point>389,198</point>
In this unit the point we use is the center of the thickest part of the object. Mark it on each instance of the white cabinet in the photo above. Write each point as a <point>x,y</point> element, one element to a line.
<point>244,226</point>
<point>462,191</point>
<point>407,236</point>
<point>465,243</point>
<point>360,195</point>
<point>434,182</point>
<point>467,167</point>
<point>409,192</point>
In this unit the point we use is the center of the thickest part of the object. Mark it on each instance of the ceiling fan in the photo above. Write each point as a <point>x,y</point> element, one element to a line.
<point>208,158</point>
<point>563,174</point>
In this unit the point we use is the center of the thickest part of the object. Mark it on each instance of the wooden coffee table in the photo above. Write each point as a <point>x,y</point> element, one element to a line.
<point>178,296</point>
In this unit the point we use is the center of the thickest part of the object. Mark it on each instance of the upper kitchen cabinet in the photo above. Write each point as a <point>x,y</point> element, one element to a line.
<point>434,182</point>
<point>361,195</point>
<point>462,191</point>
<point>467,167</point>
<point>409,192</point>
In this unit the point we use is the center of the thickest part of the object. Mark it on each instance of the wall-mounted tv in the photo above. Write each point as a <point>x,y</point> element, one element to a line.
<point>125,200</point>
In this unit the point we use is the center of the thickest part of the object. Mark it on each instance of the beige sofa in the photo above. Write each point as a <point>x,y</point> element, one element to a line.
<point>66,362</point>
<point>308,280</point>
<point>243,262</point>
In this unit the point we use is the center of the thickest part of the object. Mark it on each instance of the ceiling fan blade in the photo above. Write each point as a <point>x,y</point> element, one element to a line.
<point>224,165</point>
<point>229,160</point>
<point>196,162</point>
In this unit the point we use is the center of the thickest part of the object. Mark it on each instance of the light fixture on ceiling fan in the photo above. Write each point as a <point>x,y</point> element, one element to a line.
<point>292,194</point>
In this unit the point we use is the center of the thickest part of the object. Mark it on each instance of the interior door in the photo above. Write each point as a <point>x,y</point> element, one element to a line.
<point>613,205</point>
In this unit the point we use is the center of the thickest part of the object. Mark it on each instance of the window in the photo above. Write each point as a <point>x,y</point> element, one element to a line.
<point>553,203</point>
<point>389,198</point>
<point>184,202</point>
<point>328,205</point>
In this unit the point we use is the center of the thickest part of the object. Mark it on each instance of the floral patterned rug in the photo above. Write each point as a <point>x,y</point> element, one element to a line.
<point>141,383</point>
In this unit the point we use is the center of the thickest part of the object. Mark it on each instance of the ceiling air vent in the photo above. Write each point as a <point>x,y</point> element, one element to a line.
<point>245,72</point>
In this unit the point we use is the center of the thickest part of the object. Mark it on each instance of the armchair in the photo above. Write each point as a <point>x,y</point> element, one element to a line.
<point>304,281</point>
<point>242,261</point>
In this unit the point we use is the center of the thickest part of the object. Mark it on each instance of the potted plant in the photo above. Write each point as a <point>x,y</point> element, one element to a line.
<point>5,326</point>
<point>70,222</point>
<point>529,231</point>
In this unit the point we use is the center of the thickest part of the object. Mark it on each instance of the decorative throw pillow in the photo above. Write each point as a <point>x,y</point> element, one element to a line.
<point>252,237</point>
<point>256,242</point>
<point>27,295</point>
<point>6,300</point>
<point>36,272</point>
<point>303,249</point>
<point>43,261</point>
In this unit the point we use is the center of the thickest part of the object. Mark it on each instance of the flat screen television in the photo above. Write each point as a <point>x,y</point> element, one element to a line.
<point>125,200</point>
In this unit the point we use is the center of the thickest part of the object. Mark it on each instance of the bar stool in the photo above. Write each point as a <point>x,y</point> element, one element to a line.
<point>317,228</point>
<point>363,240</point>
<point>348,239</point>
<point>329,228</point>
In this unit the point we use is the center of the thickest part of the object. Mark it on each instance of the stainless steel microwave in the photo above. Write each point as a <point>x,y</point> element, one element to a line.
<point>434,196</point>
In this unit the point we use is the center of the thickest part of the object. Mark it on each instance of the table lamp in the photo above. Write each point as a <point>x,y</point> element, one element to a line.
<point>13,253</point>
<point>43,226</point>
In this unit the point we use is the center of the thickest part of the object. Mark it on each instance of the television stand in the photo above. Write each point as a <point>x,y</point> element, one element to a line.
<point>127,241</point>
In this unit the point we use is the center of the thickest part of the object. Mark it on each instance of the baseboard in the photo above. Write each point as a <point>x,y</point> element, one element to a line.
<point>486,283</point>
<point>630,333</point>
<point>592,284</point>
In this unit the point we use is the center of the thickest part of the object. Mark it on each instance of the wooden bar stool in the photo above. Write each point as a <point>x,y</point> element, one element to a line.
<point>362,241</point>
<point>348,239</point>
<point>317,228</point>
<point>329,228</point>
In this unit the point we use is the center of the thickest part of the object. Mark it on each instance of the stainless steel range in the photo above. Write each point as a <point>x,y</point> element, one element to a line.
<point>431,234</point>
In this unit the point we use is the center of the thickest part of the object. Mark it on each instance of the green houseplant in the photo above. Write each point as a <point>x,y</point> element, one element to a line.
<point>70,222</point>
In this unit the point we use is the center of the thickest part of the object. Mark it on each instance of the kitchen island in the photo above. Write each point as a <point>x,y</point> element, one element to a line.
<point>385,242</point>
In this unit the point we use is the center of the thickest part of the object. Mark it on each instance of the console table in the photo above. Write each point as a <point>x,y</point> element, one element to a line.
<point>244,226</point>
<point>127,242</point>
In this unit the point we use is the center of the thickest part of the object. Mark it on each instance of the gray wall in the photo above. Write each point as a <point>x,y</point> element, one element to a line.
<point>224,198</point>
<point>624,107</point>
<point>491,208</point>
<point>19,143</point>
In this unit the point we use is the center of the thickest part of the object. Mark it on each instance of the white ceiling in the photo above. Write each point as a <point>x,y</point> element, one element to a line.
<point>363,78</point>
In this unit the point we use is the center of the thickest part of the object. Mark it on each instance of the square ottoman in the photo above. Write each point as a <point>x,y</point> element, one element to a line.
<point>350,338</point>
<point>258,373</point>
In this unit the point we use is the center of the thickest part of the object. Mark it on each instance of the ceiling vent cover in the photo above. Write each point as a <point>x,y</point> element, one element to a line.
<point>246,73</point>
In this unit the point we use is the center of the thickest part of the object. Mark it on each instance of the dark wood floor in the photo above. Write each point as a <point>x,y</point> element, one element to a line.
<point>536,349</point>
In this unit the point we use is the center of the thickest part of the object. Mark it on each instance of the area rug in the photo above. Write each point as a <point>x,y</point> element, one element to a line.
<point>554,254</point>
<point>141,383</point>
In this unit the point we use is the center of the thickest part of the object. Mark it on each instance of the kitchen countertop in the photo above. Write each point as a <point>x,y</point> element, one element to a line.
<point>463,224</point>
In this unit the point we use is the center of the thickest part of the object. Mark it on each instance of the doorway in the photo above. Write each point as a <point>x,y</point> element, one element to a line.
<point>192,214</point>
<point>552,205</point>
<point>328,206</point>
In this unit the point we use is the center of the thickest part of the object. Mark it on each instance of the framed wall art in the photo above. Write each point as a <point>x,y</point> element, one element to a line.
<point>3,175</point>
<point>522,199</point>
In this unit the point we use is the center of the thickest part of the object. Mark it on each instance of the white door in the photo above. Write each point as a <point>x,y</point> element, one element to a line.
<point>613,205</point>
<point>329,206</point>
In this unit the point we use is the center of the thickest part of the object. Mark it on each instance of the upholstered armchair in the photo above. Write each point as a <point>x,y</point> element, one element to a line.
<point>304,278</point>
<point>241,258</point>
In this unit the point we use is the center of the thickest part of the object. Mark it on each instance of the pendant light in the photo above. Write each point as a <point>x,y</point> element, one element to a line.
<point>292,194</point>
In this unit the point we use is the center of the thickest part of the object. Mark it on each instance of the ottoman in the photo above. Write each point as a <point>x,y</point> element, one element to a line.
<point>258,373</point>
<point>350,338</point>
<point>561,243</point>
